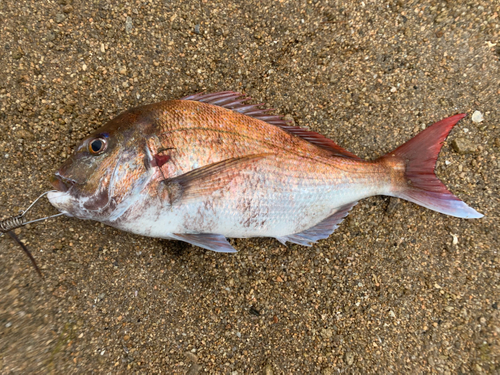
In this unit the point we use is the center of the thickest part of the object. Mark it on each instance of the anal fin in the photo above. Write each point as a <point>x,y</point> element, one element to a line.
<point>321,230</point>
<point>209,241</point>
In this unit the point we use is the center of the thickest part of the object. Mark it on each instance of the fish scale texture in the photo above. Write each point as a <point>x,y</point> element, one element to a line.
<point>292,186</point>
<point>224,172</point>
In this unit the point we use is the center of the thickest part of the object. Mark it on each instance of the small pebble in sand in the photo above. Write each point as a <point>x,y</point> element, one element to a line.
<point>477,117</point>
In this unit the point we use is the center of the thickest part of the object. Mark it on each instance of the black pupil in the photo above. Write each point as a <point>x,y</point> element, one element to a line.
<point>97,145</point>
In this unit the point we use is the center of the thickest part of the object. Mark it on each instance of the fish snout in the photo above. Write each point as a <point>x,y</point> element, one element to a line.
<point>61,183</point>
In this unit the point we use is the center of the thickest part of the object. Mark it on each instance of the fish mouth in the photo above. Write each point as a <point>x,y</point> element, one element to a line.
<point>61,183</point>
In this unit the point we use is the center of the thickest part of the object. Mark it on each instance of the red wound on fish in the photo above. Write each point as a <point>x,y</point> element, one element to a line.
<point>160,160</point>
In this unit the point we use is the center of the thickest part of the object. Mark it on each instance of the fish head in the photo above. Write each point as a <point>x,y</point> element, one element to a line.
<point>105,169</point>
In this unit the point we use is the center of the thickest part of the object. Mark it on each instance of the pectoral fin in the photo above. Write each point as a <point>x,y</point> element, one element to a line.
<point>209,241</point>
<point>204,181</point>
<point>321,230</point>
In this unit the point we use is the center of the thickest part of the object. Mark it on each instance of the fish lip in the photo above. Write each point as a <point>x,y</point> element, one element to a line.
<point>62,183</point>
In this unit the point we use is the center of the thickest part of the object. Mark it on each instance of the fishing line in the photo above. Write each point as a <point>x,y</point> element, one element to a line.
<point>20,220</point>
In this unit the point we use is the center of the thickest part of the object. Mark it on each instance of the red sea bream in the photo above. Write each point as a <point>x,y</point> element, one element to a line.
<point>207,167</point>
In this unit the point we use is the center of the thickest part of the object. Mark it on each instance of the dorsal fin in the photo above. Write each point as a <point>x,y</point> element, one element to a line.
<point>235,101</point>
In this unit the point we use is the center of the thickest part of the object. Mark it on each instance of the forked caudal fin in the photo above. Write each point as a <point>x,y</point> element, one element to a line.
<point>420,185</point>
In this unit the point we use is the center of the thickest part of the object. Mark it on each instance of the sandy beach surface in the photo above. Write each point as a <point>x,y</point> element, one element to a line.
<point>396,289</point>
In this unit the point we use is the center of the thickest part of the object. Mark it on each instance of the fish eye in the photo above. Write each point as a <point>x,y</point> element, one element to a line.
<point>97,146</point>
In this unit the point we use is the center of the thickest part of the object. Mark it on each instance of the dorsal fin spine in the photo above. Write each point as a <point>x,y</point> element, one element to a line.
<point>235,101</point>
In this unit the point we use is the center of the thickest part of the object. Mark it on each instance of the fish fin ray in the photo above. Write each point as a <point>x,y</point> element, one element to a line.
<point>205,180</point>
<point>282,240</point>
<point>321,230</point>
<point>421,185</point>
<point>319,140</point>
<point>209,241</point>
<point>235,101</point>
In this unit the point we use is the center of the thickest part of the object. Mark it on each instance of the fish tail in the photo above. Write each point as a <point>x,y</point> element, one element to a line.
<point>412,171</point>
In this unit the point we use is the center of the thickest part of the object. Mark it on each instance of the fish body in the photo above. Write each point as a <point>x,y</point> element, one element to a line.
<point>207,167</point>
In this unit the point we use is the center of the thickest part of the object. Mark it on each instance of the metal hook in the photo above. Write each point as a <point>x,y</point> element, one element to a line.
<point>20,220</point>
<point>14,222</point>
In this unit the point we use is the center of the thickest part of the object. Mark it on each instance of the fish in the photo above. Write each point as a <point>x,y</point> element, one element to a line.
<point>209,167</point>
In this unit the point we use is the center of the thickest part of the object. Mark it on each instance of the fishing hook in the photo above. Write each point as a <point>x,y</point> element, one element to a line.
<point>14,222</point>
<point>20,220</point>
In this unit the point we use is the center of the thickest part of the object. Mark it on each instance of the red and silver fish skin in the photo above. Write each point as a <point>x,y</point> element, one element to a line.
<point>95,187</point>
<point>267,198</point>
<point>199,172</point>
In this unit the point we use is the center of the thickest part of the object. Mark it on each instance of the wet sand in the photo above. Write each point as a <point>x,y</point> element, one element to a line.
<point>396,289</point>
